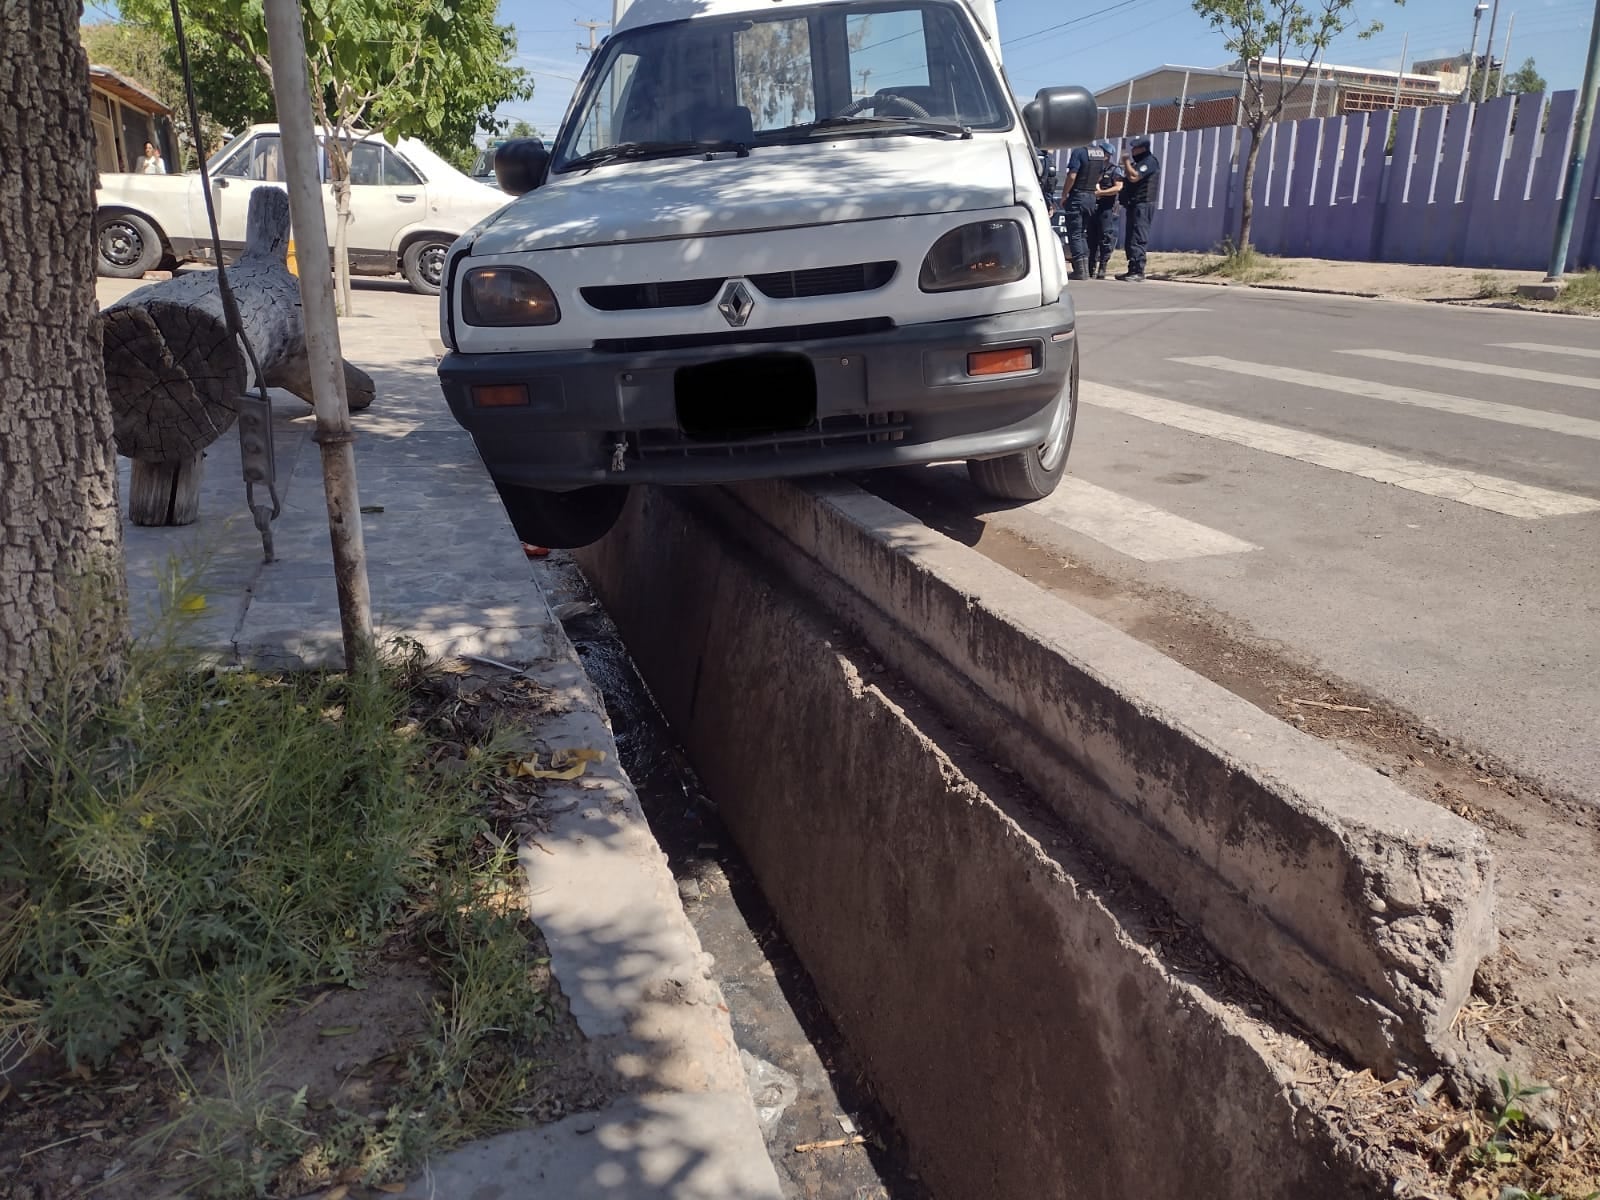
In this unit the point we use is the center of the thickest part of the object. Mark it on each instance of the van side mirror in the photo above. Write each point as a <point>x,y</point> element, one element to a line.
<point>520,165</point>
<point>1061,117</point>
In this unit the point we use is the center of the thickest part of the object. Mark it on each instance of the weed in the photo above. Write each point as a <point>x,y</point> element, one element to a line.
<point>1243,264</point>
<point>1518,1193</point>
<point>1507,1114</point>
<point>1489,286</point>
<point>184,858</point>
<point>1580,293</point>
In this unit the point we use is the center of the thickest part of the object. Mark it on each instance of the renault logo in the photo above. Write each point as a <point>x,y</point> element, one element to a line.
<point>736,304</point>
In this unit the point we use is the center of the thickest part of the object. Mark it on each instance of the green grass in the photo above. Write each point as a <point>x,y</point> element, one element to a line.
<point>1580,293</point>
<point>180,863</point>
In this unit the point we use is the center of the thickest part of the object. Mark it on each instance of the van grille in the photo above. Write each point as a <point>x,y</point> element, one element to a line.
<point>745,337</point>
<point>675,293</point>
<point>776,285</point>
<point>856,429</point>
<point>825,281</point>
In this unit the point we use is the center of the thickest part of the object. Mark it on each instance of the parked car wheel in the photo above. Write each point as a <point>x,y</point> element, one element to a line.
<point>563,520</point>
<point>126,246</point>
<point>423,264</point>
<point>1033,474</point>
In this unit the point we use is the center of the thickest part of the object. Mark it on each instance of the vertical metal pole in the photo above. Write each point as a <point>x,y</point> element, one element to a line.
<point>1405,44</point>
<point>1316,87</point>
<point>1127,109</point>
<point>1505,56</point>
<point>1580,141</point>
<point>292,92</point>
<point>1472,54</point>
<point>1183,98</point>
<point>1488,53</point>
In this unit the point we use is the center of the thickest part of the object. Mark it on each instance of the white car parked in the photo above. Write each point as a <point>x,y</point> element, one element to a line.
<point>406,204</point>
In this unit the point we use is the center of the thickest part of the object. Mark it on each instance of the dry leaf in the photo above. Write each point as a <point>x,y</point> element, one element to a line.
<point>564,764</point>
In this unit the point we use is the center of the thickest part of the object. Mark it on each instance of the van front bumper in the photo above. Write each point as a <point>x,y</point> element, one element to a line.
<point>884,397</point>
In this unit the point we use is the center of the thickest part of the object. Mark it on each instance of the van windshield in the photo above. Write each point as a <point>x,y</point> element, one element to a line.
<point>786,74</point>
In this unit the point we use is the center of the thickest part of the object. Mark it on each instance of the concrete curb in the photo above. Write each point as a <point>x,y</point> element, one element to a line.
<point>1364,911</point>
<point>630,964</point>
<point>1006,993</point>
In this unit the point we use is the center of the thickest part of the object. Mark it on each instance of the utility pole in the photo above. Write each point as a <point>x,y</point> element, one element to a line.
<point>591,26</point>
<point>1472,55</point>
<point>1505,56</point>
<point>287,46</point>
<point>1405,44</point>
<point>1488,53</point>
<point>1580,140</point>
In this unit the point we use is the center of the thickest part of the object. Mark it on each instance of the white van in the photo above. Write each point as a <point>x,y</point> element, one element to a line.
<point>773,237</point>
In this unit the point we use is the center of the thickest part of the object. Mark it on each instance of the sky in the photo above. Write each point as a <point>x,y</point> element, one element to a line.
<point>1046,43</point>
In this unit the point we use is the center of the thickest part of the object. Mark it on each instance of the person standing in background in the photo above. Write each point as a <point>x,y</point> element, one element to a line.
<point>1084,169</point>
<point>1103,226</point>
<point>1141,170</point>
<point>150,162</point>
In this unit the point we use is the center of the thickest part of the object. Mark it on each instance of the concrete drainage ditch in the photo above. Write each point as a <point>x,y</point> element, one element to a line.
<point>1134,956</point>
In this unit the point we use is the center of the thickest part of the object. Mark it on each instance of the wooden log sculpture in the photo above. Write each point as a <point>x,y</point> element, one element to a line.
<point>175,375</point>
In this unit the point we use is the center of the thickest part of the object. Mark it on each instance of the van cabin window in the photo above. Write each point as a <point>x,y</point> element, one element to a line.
<point>261,158</point>
<point>758,79</point>
<point>374,164</point>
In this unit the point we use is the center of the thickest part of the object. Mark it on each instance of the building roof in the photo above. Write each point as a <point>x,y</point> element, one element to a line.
<point>127,90</point>
<point>1233,71</point>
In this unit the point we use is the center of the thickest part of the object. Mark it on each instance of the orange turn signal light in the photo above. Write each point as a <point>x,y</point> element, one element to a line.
<point>500,395</point>
<point>1000,362</point>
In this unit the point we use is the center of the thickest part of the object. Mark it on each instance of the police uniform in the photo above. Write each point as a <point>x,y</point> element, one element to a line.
<point>1085,167</point>
<point>1103,228</point>
<point>1143,171</point>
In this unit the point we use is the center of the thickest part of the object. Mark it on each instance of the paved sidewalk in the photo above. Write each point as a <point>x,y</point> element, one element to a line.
<point>446,569</point>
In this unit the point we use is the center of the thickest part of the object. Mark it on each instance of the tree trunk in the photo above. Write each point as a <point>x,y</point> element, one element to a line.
<point>62,591</point>
<point>339,175</point>
<point>1247,203</point>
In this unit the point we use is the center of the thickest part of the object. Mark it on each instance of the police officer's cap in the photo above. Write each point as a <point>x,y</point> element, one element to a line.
<point>1106,146</point>
<point>1139,139</point>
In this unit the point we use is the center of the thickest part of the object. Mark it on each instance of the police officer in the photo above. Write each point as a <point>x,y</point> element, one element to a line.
<point>1141,171</point>
<point>1077,197</point>
<point>1103,227</point>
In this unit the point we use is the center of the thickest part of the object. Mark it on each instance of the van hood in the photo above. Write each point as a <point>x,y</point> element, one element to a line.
<point>776,187</point>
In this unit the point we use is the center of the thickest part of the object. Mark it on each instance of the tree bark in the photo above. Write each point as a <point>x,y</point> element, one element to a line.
<point>62,590</point>
<point>339,151</point>
<point>1247,203</point>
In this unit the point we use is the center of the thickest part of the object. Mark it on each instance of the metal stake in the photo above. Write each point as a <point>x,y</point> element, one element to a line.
<point>292,91</point>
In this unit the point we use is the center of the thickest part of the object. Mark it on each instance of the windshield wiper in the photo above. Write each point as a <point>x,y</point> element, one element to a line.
<point>884,124</point>
<point>641,150</point>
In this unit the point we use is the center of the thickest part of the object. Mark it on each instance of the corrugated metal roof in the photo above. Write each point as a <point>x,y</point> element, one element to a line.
<point>127,90</point>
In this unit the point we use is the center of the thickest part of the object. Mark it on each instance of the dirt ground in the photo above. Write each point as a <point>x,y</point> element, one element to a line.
<point>1390,281</point>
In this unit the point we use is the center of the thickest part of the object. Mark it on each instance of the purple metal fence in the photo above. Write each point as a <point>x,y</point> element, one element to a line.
<point>1471,185</point>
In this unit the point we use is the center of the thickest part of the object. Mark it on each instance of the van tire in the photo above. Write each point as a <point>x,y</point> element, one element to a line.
<point>1033,474</point>
<point>562,520</point>
<point>126,246</point>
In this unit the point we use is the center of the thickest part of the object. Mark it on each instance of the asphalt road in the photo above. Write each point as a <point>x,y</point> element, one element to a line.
<point>1401,497</point>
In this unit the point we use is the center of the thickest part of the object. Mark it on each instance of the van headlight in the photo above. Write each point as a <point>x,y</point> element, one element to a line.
<point>982,254</point>
<point>507,296</point>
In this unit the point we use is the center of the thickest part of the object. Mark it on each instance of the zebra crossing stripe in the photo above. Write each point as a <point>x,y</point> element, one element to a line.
<point>1431,479</point>
<point>1130,526</point>
<point>1478,368</point>
<point>1544,348</point>
<point>1488,410</point>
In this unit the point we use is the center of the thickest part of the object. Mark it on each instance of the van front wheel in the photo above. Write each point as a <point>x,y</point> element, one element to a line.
<point>562,520</point>
<point>1033,474</point>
